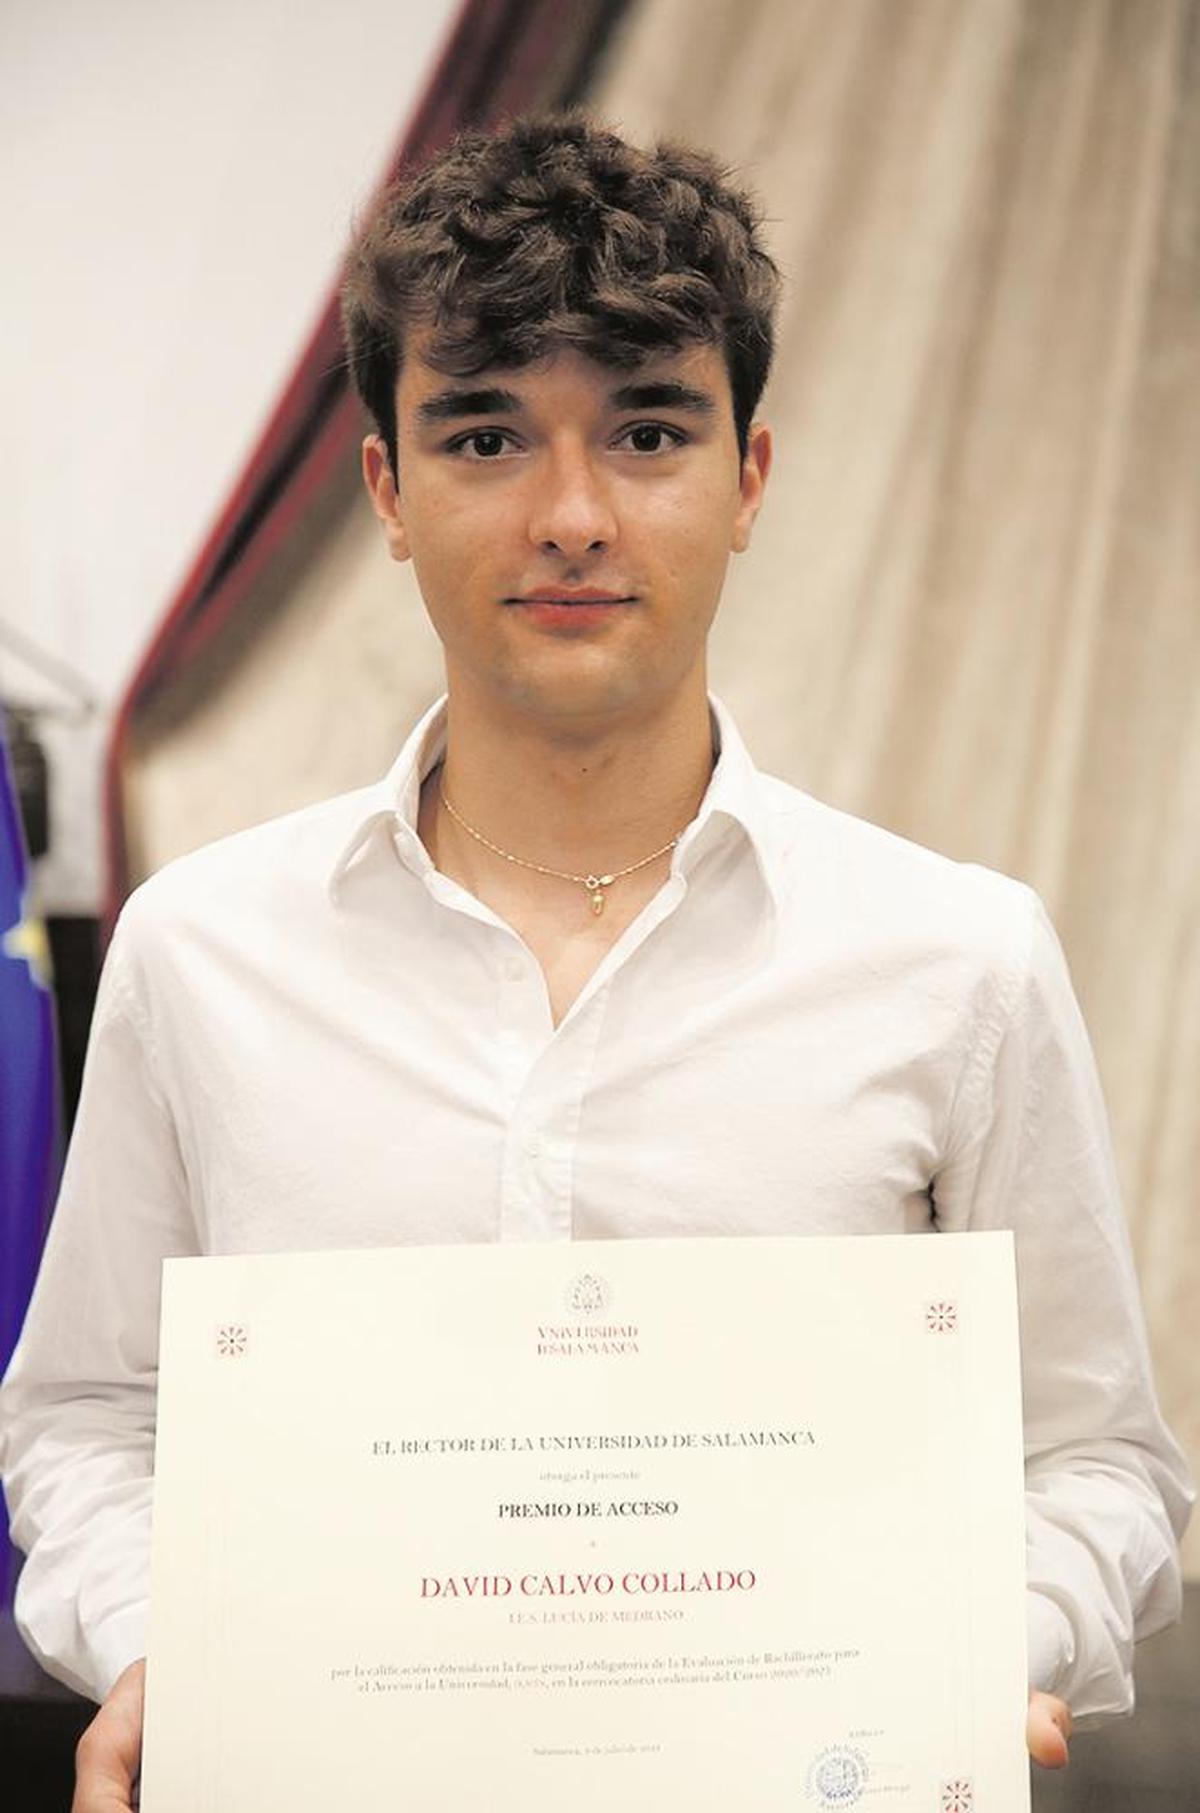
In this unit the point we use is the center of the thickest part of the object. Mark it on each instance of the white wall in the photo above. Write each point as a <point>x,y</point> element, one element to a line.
<point>177,182</point>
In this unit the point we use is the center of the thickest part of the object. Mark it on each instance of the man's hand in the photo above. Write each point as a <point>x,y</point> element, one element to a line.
<point>110,1750</point>
<point>1047,1729</point>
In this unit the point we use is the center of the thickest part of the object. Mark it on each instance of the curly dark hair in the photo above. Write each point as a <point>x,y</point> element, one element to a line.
<point>554,232</point>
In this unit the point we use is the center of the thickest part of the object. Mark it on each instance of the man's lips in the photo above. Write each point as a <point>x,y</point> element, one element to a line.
<point>571,611</point>
<point>563,596</point>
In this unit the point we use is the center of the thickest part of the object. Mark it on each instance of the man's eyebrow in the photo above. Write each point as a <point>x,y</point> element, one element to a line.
<point>664,393</point>
<point>453,405</point>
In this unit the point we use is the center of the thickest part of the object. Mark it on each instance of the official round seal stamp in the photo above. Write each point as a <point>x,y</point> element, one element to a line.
<point>587,1294</point>
<point>838,1776</point>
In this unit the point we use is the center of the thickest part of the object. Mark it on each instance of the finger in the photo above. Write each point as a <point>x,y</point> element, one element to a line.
<point>102,1788</point>
<point>108,1755</point>
<point>1048,1728</point>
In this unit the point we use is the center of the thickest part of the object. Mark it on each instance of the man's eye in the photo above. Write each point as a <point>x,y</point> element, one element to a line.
<point>652,437</point>
<point>481,443</point>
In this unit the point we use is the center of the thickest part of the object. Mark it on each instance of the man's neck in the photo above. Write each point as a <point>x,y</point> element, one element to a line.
<point>583,798</point>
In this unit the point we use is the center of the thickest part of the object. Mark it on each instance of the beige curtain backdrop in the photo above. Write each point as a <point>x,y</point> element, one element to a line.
<point>971,609</point>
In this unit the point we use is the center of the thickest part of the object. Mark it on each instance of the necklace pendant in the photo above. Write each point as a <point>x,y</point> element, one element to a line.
<point>595,885</point>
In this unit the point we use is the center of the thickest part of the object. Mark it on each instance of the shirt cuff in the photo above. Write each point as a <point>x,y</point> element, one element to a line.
<point>1051,1642</point>
<point>119,1641</point>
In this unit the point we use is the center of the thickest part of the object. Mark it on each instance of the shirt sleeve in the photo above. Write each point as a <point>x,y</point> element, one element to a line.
<point>1107,1489</point>
<point>77,1405</point>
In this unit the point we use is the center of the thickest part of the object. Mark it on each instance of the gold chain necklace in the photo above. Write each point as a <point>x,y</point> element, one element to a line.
<point>595,884</point>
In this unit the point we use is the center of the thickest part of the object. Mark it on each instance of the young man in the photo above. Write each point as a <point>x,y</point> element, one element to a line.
<point>575,968</point>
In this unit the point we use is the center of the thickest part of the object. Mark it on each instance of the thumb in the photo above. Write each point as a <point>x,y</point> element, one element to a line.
<point>110,1751</point>
<point>1047,1729</point>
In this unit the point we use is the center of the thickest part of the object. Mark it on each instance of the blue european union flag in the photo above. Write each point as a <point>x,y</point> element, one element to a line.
<point>28,1089</point>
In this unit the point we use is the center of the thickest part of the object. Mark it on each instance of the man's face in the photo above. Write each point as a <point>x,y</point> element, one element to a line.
<point>570,526</point>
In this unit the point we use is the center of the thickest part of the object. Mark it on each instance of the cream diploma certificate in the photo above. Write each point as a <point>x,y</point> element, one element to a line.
<point>651,1525</point>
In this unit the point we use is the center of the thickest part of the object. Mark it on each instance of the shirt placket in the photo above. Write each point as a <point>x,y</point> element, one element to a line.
<point>546,1079</point>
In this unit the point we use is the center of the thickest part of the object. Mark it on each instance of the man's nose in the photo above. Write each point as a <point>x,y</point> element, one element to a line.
<point>572,512</point>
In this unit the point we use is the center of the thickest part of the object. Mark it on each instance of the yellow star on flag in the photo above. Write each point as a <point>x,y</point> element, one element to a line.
<point>28,943</point>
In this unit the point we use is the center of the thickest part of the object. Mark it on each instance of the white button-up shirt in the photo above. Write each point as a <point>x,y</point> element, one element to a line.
<point>306,1036</point>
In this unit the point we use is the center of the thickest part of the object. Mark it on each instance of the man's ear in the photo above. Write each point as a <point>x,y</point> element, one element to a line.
<point>385,496</point>
<point>753,482</point>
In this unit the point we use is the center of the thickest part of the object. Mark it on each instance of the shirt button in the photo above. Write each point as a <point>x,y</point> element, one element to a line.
<point>514,969</point>
<point>533,1145</point>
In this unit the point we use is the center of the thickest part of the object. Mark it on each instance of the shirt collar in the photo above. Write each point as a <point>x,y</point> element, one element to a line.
<point>734,799</point>
<point>393,803</point>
